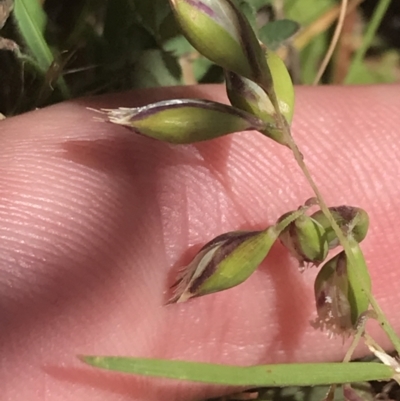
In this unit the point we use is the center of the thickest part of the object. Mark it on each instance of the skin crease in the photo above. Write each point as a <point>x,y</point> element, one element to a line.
<point>95,222</point>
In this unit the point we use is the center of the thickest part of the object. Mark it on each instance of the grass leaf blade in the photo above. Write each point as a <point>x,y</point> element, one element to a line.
<point>31,21</point>
<point>309,374</point>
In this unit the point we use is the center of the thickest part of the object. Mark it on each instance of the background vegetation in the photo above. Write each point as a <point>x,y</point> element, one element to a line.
<point>53,50</point>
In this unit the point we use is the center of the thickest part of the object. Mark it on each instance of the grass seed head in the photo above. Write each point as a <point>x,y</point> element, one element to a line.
<point>185,120</point>
<point>352,220</point>
<point>222,263</point>
<point>331,289</point>
<point>220,32</point>
<point>306,240</point>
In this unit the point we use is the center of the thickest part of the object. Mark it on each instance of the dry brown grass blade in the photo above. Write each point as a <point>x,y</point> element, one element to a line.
<point>321,24</point>
<point>334,41</point>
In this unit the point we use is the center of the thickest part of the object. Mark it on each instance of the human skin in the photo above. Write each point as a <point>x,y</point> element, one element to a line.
<point>95,221</point>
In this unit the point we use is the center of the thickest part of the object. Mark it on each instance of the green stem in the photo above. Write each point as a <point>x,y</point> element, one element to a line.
<point>368,37</point>
<point>341,236</point>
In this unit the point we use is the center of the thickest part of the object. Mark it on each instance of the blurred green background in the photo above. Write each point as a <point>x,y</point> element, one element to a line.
<point>51,50</point>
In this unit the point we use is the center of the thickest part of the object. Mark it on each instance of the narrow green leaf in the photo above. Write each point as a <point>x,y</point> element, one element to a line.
<point>311,374</point>
<point>31,21</point>
<point>274,33</point>
<point>368,36</point>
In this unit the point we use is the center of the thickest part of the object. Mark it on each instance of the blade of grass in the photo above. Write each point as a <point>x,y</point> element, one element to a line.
<point>369,35</point>
<point>309,374</point>
<point>31,21</point>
